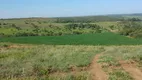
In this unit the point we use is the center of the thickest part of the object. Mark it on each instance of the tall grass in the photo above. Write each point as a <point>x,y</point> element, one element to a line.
<point>41,61</point>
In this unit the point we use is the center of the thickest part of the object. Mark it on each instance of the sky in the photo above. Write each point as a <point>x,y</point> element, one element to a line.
<point>64,8</point>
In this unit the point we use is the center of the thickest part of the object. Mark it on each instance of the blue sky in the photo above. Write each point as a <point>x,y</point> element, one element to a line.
<point>60,8</point>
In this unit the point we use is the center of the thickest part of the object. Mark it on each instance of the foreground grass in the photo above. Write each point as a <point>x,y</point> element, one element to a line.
<point>68,62</point>
<point>113,54</point>
<point>33,62</point>
<point>84,39</point>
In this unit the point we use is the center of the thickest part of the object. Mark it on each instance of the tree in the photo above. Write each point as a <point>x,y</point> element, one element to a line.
<point>14,26</point>
<point>4,23</point>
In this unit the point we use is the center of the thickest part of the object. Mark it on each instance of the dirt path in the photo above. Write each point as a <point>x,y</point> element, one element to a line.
<point>96,70</point>
<point>132,70</point>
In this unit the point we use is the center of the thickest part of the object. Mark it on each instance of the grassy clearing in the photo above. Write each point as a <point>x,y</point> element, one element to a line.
<point>42,61</point>
<point>84,39</point>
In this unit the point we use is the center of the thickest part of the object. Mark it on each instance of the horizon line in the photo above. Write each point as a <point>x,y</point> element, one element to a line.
<point>71,16</point>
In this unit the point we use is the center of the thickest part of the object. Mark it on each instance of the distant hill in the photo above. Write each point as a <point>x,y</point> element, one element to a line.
<point>126,16</point>
<point>134,14</point>
<point>110,17</point>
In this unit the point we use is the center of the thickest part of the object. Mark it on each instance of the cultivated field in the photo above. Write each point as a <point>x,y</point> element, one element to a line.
<point>83,39</point>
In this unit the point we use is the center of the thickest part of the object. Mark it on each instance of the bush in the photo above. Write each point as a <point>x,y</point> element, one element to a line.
<point>4,45</point>
<point>26,22</point>
<point>14,26</point>
<point>1,34</point>
<point>77,32</point>
<point>112,27</point>
<point>4,23</point>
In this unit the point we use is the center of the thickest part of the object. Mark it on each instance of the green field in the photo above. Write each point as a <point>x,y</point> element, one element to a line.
<point>83,39</point>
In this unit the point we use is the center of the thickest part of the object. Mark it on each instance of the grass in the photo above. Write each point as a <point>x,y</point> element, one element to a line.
<point>113,54</point>
<point>42,61</point>
<point>84,39</point>
<point>119,75</point>
<point>63,62</point>
<point>125,52</point>
<point>109,61</point>
<point>80,76</point>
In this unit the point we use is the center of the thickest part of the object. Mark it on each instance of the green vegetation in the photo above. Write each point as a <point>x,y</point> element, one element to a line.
<point>125,53</point>
<point>47,29</point>
<point>64,62</point>
<point>111,58</point>
<point>68,25</point>
<point>115,53</point>
<point>120,75</point>
<point>83,39</point>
